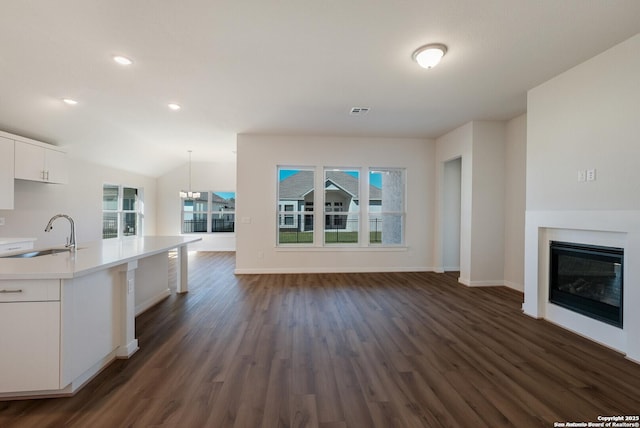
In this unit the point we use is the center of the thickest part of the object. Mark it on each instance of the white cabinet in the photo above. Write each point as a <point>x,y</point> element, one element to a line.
<point>6,173</point>
<point>30,339</point>
<point>38,162</point>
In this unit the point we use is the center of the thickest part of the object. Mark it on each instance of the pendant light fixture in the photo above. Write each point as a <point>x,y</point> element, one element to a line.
<point>189,194</point>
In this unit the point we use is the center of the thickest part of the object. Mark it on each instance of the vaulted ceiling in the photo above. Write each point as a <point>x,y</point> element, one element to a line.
<point>278,66</point>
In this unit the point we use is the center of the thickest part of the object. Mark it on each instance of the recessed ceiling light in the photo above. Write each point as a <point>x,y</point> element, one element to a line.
<point>429,56</point>
<point>69,101</point>
<point>122,60</point>
<point>174,106</point>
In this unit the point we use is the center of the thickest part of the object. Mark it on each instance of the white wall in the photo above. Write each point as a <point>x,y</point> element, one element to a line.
<point>36,203</point>
<point>587,117</point>
<point>206,176</point>
<point>480,145</point>
<point>487,222</point>
<point>514,198</point>
<point>258,158</point>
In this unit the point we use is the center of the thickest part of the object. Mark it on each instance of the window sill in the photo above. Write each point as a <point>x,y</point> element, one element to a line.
<point>233,234</point>
<point>341,248</point>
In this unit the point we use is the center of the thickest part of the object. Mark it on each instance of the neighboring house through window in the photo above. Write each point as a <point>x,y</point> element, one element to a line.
<point>342,216</point>
<point>295,205</point>
<point>223,211</point>
<point>212,212</point>
<point>122,211</point>
<point>341,195</point>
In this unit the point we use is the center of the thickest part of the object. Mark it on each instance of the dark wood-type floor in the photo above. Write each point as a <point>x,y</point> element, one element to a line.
<point>343,350</point>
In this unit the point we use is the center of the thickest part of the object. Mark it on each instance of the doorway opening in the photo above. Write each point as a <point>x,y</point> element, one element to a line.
<point>452,204</point>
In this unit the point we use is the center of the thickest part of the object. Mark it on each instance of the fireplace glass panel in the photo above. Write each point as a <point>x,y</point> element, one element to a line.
<point>588,280</point>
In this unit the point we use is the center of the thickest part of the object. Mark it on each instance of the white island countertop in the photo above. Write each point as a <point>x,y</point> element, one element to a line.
<point>89,257</point>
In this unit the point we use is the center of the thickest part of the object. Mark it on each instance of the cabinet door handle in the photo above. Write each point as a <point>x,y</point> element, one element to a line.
<point>10,291</point>
<point>47,175</point>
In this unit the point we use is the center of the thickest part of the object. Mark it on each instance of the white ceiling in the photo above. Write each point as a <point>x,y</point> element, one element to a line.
<point>278,66</point>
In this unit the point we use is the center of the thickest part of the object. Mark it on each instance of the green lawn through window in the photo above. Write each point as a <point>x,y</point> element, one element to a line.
<point>332,237</point>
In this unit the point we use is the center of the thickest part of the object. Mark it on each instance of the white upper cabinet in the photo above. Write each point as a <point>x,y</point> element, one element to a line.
<point>6,173</point>
<point>40,162</point>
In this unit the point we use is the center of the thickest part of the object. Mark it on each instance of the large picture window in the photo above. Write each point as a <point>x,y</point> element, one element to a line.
<point>211,212</point>
<point>295,206</point>
<point>122,211</point>
<point>340,219</point>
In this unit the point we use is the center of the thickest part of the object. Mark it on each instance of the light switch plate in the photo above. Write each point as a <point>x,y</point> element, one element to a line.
<point>591,175</point>
<point>582,175</point>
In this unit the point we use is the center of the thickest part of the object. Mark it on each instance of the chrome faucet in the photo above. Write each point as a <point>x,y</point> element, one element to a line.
<point>71,240</point>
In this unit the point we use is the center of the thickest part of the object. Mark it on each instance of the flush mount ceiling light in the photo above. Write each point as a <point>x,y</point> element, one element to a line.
<point>69,101</point>
<point>428,56</point>
<point>122,60</point>
<point>174,106</point>
<point>189,194</point>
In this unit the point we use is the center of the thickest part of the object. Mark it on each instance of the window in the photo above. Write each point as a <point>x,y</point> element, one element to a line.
<point>195,214</point>
<point>295,206</point>
<point>341,195</point>
<point>122,211</point>
<point>340,219</point>
<point>212,212</point>
<point>288,219</point>
<point>386,206</point>
<point>223,211</point>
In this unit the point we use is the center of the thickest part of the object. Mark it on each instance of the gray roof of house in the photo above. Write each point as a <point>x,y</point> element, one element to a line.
<point>217,199</point>
<point>296,186</point>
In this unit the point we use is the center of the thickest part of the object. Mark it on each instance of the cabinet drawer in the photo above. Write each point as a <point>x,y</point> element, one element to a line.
<point>30,290</point>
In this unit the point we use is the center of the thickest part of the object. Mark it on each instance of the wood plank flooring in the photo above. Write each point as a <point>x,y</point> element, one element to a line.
<point>343,350</point>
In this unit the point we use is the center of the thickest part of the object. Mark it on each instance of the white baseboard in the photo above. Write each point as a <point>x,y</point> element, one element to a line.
<point>257,271</point>
<point>488,283</point>
<point>124,352</point>
<point>514,285</point>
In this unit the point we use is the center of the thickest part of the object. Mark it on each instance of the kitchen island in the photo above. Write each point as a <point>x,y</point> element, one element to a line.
<point>66,316</point>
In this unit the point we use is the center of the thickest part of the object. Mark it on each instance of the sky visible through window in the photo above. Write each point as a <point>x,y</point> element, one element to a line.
<point>375,179</point>
<point>226,195</point>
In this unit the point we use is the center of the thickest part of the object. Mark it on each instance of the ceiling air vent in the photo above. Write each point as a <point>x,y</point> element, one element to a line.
<point>359,111</point>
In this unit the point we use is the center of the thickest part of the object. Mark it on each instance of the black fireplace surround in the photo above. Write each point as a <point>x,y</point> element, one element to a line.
<point>587,279</point>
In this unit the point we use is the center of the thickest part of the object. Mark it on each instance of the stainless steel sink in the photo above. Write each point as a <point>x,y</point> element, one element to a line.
<point>38,253</point>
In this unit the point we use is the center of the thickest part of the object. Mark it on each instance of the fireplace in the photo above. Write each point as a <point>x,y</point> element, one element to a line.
<point>587,279</point>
